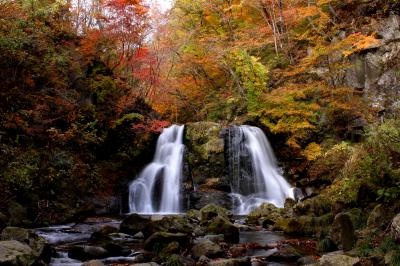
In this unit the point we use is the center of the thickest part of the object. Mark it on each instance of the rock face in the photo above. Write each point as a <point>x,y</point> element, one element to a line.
<point>375,71</point>
<point>342,232</point>
<point>14,253</point>
<point>205,152</point>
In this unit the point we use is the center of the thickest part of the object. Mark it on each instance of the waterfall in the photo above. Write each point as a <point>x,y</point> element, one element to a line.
<point>157,188</point>
<point>253,171</point>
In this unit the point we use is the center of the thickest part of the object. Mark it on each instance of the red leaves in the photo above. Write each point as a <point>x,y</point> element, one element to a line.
<point>153,126</point>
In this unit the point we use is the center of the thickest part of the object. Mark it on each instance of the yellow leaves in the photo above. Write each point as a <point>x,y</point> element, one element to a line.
<point>312,151</point>
<point>360,42</point>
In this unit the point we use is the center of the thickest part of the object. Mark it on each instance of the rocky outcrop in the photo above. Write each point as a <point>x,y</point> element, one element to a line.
<point>15,253</point>
<point>342,232</point>
<point>376,71</point>
<point>205,154</point>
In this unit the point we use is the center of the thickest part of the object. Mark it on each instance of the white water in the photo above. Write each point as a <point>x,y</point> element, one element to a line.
<point>157,189</point>
<point>258,179</point>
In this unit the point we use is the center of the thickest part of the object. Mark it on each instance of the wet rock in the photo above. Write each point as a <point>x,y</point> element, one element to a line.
<point>220,225</point>
<point>395,227</point>
<point>342,232</point>
<point>177,260</point>
<point>307,260</point>
<point>231,262</point>
<point>285,254</point>
<point>206,248</point>
<point>93,263</point>
<point>161,239</point>
<point>84,253</point>
<point>337,258</point>
<point>15,253</point>
<point>104,232</point>
<point>133,224</point>
<point>215,238</point>
<point>211,211</point>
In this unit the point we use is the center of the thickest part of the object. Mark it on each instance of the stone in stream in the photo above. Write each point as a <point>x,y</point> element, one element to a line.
<point>104,232</point>
<point>285,254</point>
<point>84,252</point>
<point>215,238</point>
<point>15,253</point>
<point>220,225</point>
<point>207,248</point>
<point>133,224</point>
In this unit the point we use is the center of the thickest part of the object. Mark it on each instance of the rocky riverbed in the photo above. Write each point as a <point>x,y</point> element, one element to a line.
<point>211,236</point>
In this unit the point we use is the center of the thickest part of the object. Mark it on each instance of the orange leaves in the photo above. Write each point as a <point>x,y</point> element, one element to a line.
<point>360,42</point>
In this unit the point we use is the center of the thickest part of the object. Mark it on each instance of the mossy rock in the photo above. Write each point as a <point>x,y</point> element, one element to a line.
<point>316,206</point>
<point>133,224</point>
<point>267,212</point>
<point>173,224</point>
<point>160,240</point>
<point>211,210</point>
<point>15,253</point>
<point>304,225</point>
<point>193,215</point>
<point>220,225</point>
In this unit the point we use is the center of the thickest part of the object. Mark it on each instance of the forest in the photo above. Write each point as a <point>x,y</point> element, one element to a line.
<point>200,132</point>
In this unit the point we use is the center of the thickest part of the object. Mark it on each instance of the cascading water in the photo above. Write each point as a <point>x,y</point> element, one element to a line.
<point>253,172</point>
<point>157,189</point>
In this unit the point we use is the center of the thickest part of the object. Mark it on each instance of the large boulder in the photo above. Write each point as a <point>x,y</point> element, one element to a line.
<point>40,248</point>
<point>336,259</point>
<point>133,224</point>
<point>159,240</point>
<point>267,213</point>
<point>211,211</point>
<point>206,248</point>
<point>220,225</point>
<point>342,232</point>
<point>395,227</point>
<point>173,224</point>
<point>15,253</point>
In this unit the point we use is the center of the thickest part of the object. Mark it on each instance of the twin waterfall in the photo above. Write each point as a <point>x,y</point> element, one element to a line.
<point>157,189</point>
<point>251,165</point>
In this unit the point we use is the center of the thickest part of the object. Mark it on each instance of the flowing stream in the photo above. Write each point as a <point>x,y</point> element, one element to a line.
<point>157,189</point>
<point>253,170</point>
